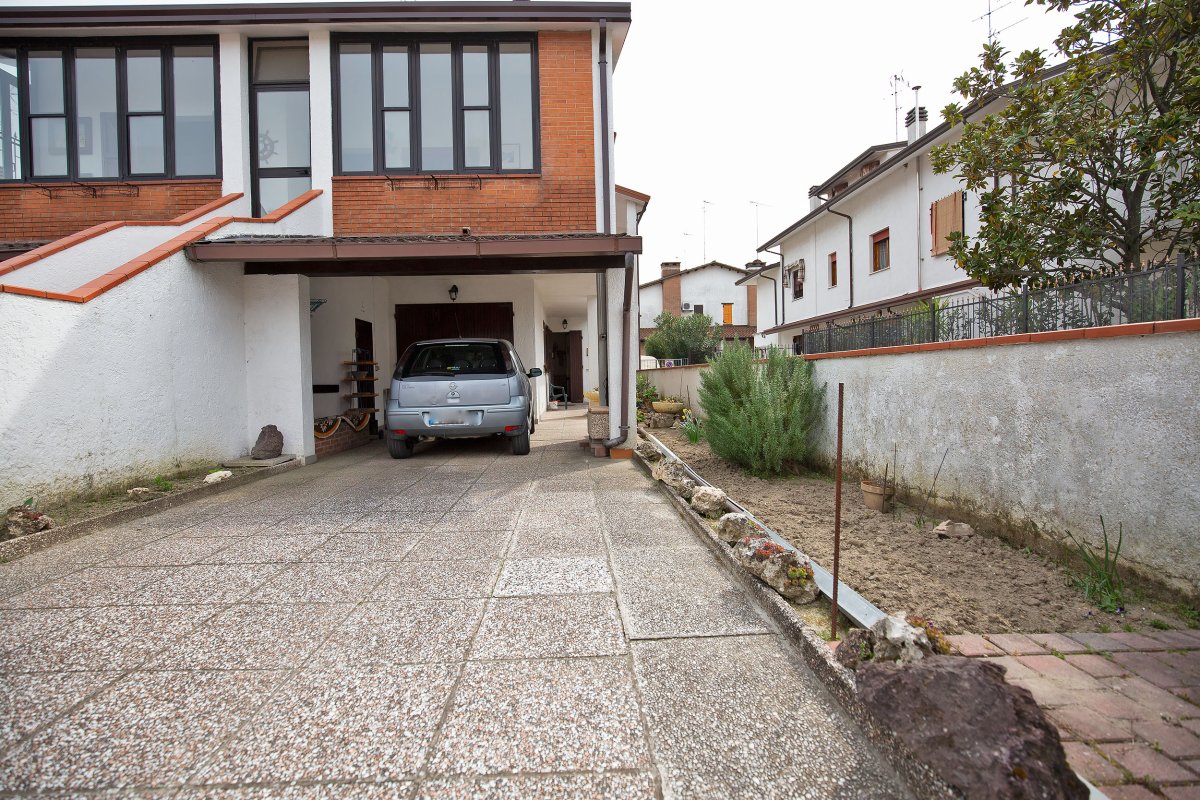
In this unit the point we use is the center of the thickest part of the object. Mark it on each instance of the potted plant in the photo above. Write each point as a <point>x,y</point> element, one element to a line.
<point>593,396</point>
<point>878,494</point>
<point>668,405</point>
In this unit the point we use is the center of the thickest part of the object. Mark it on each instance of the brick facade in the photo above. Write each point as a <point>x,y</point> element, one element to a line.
<point>561,199</point>
<point>28,213</point>
<point>672,288</point>
<point>752,305</point>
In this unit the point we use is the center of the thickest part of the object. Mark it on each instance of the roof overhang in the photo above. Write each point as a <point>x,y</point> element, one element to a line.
<point>190,14</point>
<point>420,255</point>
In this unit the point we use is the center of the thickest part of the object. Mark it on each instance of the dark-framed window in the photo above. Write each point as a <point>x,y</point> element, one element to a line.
<point>881,250</point>
<point>797,284</point>
<point>102,110</point>
<point>832,270</point>
<point>435,104</point>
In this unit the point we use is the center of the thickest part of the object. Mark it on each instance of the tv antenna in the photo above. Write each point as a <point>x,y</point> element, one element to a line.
<point>757,205</point>
<point>991,10</point>
<point>704,204</point>
<point>898,83</point>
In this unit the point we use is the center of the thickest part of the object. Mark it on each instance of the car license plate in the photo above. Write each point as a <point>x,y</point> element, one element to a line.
<point>446,418</point>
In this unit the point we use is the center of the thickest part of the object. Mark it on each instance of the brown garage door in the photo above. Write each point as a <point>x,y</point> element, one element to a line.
<point>417,321</point>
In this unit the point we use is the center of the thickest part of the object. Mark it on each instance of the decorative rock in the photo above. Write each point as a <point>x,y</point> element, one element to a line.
<point>778,567</point>
<point>735,526</point>
<point>708,501</point>
<point>269,444</point>
<point>954,530</point>
<point>141,493</point>
<point>896,640</point>
<point>217,477</point>
<point>648,451</point>
<point>657,420</point>
<point>984,737</point>
<point>23,520</point>
<point>856,648</point>
<point>674,476</point>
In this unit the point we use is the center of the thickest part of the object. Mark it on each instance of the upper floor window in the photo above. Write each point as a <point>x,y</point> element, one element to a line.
<point>436,105</point>
<point>881,250</point>
<point>797,284</point>
<point>832,270</point>
<point>100,111</point>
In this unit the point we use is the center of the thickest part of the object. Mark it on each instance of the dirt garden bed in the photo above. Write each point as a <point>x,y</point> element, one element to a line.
<point>977,585</point>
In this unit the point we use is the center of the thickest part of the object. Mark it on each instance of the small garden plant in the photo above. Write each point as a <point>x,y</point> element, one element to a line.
<point>1099,580</point>
<point>691,426</point>
<point>162,484</point>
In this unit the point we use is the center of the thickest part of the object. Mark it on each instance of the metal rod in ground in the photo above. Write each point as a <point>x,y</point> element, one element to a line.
<point>837,518</point>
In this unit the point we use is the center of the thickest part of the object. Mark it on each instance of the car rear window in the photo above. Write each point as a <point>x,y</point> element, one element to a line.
<point>457,358</point>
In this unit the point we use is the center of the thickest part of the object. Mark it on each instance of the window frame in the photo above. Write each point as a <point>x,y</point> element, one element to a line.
<point>833,271</point>
<point>121,46</point>
<point>456,41</point>
<point>885,237</point>
<point>697,308</point>
<point>797,285</point>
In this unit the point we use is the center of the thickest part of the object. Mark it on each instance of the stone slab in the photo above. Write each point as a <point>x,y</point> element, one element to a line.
<point>259,462</point>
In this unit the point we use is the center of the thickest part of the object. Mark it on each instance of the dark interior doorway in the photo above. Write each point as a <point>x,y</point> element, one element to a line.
<point>564,361</point>
<point>366,391</point>
<point>417,321</point>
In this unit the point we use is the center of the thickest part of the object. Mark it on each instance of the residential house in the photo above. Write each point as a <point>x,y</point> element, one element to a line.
<point>874,241</point>
<point>218,217</point>
<point>710,289</point>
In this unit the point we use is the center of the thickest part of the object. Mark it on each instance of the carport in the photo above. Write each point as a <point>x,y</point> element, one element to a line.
<point>560,298</point>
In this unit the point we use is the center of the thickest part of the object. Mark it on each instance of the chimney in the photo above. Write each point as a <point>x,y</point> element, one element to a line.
<point>671,290</point>
<point>914,122</point>
<point>755,265</point>
<point>814,198</point>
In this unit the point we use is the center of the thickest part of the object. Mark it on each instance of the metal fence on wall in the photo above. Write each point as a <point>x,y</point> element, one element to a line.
<point>1162,293</point>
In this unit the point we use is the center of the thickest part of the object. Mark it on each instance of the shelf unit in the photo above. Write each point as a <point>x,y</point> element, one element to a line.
<point>362,378</point>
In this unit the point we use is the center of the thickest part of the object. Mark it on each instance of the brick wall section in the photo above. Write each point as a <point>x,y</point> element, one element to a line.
<point>28,214</point>
<point>751,305</point>
<point>561,199</point>
<point>344,438</point>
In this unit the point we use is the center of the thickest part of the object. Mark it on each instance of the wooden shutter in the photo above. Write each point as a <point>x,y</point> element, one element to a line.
<point>946,217</point>
<point>726,313</point>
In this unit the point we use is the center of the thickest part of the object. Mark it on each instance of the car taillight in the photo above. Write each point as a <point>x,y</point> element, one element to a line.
<point>511,428</point>
<point>398,432</point>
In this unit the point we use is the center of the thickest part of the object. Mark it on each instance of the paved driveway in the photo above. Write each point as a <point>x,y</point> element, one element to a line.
<point>463,624</point>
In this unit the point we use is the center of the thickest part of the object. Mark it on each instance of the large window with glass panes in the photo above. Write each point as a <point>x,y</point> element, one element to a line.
<point>436,105</point>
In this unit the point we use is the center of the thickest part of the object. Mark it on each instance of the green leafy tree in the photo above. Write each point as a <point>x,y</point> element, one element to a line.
<point>1093,165</point>
<point>691,336</point>
<point>760,416</point>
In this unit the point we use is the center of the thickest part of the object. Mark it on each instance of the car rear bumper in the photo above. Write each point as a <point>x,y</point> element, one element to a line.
<point>491,420</point>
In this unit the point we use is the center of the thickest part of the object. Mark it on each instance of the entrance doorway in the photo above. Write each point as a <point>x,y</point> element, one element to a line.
<point>417,321</point>
<point>564,361</point>
<point>280,158</point>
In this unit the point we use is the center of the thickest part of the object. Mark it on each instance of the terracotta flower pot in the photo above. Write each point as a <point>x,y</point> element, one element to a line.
<point>666,407</point>
<point>878,497</point>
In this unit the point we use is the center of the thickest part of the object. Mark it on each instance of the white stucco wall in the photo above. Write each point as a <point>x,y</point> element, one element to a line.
<point>1041,435</point>
<point>649,304</point>
<point>710,288</point>
<point>141,381</point>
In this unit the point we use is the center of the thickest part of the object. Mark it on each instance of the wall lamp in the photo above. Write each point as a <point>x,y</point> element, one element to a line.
<point>453,293</point>
<point>564,324</point>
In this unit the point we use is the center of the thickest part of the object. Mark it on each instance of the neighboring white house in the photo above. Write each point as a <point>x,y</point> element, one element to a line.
<point>874,241</point>
<point>714,289</point>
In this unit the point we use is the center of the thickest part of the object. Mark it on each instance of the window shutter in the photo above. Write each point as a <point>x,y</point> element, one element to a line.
<point>946,218</point>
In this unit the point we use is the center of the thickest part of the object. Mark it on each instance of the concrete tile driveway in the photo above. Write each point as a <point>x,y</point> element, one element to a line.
<point>466,624</point>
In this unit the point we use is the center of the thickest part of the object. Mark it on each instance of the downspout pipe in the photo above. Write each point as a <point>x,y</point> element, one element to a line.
<point>605,166</point>
<point>779,318</point>
<point>626,306</point>
<point>850,236</point>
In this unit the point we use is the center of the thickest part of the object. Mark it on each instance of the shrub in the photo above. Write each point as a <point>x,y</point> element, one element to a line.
<point>647,393</point>
<point>760,416</point>
<point>691,336</point>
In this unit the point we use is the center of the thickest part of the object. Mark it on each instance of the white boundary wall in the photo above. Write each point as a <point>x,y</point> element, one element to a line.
<point>1047,436</point>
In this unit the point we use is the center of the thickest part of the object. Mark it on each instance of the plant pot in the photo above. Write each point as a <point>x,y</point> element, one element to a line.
<point>666,407</point>
<point>592,396</point>
<point>878,496</point>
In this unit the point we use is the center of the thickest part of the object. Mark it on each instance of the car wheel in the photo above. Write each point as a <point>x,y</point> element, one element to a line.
<point>400,447</point>
<point>520,443</point>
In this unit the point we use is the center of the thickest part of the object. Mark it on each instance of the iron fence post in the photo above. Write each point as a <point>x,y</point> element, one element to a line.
<point>873,331</point>
<point>1182,288</point>
<point>1025,308</point>
<point>932,321</point>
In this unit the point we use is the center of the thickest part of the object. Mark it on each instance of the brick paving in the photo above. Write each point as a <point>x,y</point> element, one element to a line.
<point>1122,702</point>
<point>465,623</point>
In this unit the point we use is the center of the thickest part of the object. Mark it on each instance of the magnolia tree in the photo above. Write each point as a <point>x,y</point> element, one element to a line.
<point>691,336</point>
<point>1090,165</point>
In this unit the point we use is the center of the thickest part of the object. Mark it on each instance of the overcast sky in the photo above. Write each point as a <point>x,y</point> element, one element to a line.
<point>734,102</point>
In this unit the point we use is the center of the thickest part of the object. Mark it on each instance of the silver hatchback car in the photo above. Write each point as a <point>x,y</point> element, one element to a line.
<point>456,388</point>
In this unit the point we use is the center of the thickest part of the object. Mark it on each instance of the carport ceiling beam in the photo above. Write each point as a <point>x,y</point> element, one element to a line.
<point>439,266</point>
